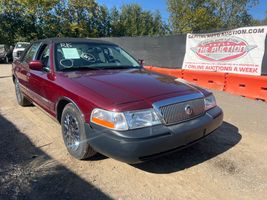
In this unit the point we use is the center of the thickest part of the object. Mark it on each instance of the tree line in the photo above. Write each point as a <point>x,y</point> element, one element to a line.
<point>198,16</point>
<point>27,20</point>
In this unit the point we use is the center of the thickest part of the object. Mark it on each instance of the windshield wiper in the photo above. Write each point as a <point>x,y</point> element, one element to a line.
<point>121,67</point>
<point>81,68</point>
<point>100,68</point>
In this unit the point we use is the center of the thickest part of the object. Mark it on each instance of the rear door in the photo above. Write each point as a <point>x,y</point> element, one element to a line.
<point>22,69</point>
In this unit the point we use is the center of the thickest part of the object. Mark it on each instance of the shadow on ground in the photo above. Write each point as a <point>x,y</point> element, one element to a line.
<point>26,172</point>
<point>224,138</point>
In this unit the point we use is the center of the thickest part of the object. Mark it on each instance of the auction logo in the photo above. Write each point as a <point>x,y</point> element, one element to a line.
<point>223,49</point>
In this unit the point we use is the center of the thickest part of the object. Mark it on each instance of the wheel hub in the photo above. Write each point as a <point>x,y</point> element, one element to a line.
<point>71,132</point>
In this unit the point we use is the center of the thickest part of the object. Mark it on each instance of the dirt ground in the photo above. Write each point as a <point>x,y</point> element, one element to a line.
<point>229,164</point>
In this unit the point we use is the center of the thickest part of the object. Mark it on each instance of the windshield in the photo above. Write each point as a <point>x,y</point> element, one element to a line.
<point>22,45</point>
<point>75,56</point>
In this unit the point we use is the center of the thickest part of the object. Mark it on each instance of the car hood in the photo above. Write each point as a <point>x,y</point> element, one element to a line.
<point>123,86</point>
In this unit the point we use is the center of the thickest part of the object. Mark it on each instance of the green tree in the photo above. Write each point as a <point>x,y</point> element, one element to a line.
<point>22,20</point>
<point>131,20</point>
<point>264,22</point>
<point>261,22</point>
<point>205,15</point>
<point>27,20</point>
<point>30,20</point>
<point>76,18</point>
<point>234,13</point>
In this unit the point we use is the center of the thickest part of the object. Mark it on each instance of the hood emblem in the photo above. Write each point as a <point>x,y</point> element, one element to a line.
<point>188,110</point>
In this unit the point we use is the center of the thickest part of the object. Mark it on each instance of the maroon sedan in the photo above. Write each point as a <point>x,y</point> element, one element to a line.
<point>107,102</point>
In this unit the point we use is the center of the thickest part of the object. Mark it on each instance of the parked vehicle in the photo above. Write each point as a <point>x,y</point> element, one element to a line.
<point>19,48</point>
<point>5,53</point>
<point>106,102</point>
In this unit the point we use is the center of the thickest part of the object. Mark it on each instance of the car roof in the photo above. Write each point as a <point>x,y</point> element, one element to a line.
<point>69,39</point>
<point>23,42</point>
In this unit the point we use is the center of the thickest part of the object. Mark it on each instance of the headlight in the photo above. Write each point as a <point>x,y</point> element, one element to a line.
<point>125,120</point>
<point>143,118</point>
<point>109,119</point>
<point>210,102</point>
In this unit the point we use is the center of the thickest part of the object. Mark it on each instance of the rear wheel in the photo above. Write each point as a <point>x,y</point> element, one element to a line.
<point>74,135</point>
<point>21,99</point>
<point>6,60</point>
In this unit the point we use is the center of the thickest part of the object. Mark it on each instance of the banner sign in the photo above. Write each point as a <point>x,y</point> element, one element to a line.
<point>234,51</point>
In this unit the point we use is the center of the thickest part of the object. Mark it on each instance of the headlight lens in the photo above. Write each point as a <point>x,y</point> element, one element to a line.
<point>143,118</point>
<point>126,120</point>
<point>210,102</point>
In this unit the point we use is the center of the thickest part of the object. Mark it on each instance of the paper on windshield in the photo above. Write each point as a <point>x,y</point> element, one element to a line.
<point>70,53</point>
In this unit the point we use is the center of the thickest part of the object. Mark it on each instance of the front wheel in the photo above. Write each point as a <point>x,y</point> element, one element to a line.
<point>74,135</point>
<point>21,99</point>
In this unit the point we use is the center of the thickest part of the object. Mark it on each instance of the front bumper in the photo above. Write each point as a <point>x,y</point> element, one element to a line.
<point>138,145</point>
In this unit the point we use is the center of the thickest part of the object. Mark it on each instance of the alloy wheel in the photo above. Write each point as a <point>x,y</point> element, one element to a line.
<point>17,89</point>
<point>71,132</point>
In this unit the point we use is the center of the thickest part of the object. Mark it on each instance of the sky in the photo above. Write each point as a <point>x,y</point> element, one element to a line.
<point>161,5</point>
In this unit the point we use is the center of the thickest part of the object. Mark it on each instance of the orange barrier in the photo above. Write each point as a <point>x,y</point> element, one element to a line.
<point>148,67</point>
<point>176,72</point>
<point>212,80</point>
<point>254,87</point>
<point>171,72</point>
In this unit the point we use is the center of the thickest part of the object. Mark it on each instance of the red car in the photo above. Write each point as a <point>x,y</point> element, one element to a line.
<point>107,102</point>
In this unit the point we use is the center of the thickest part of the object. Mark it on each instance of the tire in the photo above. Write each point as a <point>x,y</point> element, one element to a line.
<point>21,99</point>
<point>6,60</point>
<point>74,135</point>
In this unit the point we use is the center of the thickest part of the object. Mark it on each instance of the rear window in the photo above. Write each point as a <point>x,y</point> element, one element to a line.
<point>22,45</point>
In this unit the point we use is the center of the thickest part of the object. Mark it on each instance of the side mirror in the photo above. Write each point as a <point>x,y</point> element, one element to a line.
<point>36,65</point>
<point>141,62</point>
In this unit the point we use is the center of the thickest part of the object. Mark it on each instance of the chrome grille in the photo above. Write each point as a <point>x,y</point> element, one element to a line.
<point>175,113</point>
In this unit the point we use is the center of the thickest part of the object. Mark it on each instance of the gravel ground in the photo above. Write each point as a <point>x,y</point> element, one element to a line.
<point>229,164</point>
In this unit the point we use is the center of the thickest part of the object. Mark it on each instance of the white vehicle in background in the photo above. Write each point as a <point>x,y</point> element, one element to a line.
<point>19,48</point>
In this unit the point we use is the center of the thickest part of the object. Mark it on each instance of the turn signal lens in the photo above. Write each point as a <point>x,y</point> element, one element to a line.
<point>103,122</point>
